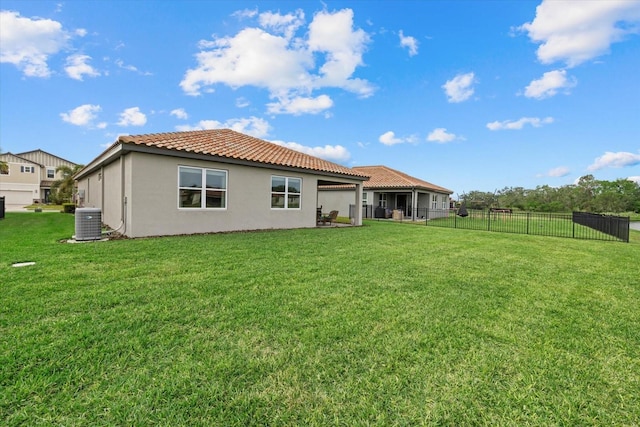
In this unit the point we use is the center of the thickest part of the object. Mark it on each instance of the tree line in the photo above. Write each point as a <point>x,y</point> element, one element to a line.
<point>589,194</point>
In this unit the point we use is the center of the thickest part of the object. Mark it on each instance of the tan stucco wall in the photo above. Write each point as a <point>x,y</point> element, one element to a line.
<point>102,189</point>
<point>151,194</point>
<point>17,177</point>
<point>20,188</point>
<point>338,200</point>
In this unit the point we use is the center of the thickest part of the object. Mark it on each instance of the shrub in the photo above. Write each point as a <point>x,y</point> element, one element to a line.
<point>69,207</point>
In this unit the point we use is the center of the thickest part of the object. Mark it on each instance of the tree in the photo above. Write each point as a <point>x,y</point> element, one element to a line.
<point>589,194</point>
<point>480,199</point>
<point>512,197</point>
<point>4,166</point>
<point>620,195</point>
<point>62,189</point>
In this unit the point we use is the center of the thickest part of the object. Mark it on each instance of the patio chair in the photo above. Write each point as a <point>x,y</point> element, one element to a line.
<point>329,218</point>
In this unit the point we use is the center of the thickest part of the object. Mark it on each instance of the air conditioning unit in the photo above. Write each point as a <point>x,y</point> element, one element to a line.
<point>88,224</point>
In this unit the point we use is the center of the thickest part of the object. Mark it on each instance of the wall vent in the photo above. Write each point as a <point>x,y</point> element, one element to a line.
<point>88,224</point>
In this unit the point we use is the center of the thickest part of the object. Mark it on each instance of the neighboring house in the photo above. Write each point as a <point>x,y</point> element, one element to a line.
<point>28,176</point>
<point>388,190</point>
<point>207,181</point>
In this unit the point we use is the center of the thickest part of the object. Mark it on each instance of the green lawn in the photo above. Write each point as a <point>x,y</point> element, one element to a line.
<point>386,324</point>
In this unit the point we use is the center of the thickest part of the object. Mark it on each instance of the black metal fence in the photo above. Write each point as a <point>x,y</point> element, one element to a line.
<point>617,226</point>
<point>577,225</point>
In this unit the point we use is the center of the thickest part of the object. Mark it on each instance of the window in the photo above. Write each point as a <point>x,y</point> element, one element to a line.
<point>364,199</point>
<point>285,192</point>
<point>434,201</point>
<point>27,169</point>
<point>51,173</point>
<point>202,188</point>
<point>444,202</point>
<point>4,168</point>
<point>382,200</point>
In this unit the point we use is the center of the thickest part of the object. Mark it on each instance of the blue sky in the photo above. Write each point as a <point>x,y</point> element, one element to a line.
<point>469,95</point>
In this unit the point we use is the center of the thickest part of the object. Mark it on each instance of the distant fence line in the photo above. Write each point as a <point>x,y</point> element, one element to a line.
<point>576,225</point>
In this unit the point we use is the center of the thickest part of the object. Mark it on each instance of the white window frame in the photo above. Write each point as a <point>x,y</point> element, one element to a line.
<point>434,201</point>
<point>8,170</point>
<point>364,198</point>
<point>382,200</point>
<point>444,203</point>
<point>285,194</point>
<point>203,189</point>
<point>27,169</point>
<point>53,173</point>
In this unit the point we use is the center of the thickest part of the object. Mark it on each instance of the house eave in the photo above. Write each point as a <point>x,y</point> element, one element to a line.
<point>408,188</point>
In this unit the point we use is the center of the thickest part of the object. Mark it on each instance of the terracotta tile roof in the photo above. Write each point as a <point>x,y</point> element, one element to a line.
<point>385,177</point>
<point>230,144</point>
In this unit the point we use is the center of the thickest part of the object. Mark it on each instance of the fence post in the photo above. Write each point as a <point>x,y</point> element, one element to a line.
<point>528,216</point>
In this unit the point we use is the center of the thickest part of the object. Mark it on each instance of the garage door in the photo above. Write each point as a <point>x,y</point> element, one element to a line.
<point>17,197</point>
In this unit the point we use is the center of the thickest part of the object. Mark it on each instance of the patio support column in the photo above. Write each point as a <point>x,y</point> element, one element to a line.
<point>357,211</point>
<point>414,203</point>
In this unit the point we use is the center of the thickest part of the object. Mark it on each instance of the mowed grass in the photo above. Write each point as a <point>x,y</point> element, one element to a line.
<point>386,324</point>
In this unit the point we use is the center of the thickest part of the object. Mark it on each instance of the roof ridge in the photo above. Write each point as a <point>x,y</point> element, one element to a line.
<point>231,144</point>
<point>22,158</point>
<point>47,153</point>
<point>396,178</point>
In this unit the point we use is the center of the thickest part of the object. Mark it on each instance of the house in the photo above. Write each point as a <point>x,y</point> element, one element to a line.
<point>28,176</point>
<point>389,190</point>
<point>207,181</point>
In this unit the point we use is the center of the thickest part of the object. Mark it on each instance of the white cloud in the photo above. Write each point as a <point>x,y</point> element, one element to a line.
<point>180,113</point>
<point>83,115</point>
<point>409,42</point>
<point>300,105</point>
<point>289,67</point>
<point>440,135</point>
<point>635,179</point>
<point>389,138</point>
<point>549,84</point>
<point>558,172</point>
<point>28,43</point>
<point>245,13</point>
<point>251,58</point>
<point>610,159</point>
<point>460,87</point>
<point>577,31</point>
<point>242,102</point>
<point>132,117</point>
<point>519,124</point>
<point>253,126</point>
<point>334,153</point>
<point>282,24</point>
<point>120,63</point>
<point>77,67</point>
<point>343,47</point>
